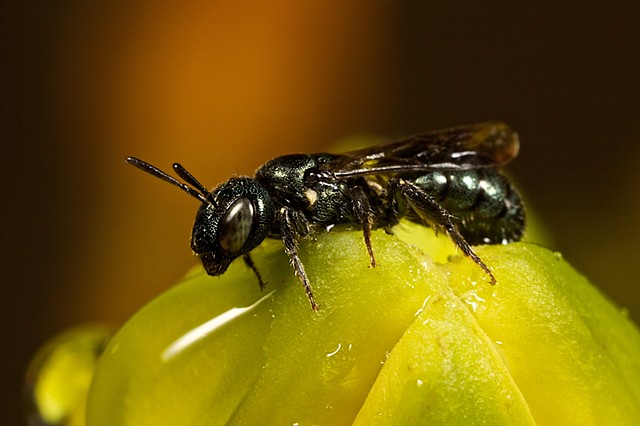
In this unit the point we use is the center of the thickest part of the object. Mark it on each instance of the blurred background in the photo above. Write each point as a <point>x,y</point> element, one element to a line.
<point>224,86</point>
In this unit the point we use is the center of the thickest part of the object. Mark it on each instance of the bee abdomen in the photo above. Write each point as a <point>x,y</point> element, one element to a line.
<point>488,208</point>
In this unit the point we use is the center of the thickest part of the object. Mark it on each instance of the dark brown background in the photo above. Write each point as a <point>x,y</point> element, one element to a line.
<point>222,88</point>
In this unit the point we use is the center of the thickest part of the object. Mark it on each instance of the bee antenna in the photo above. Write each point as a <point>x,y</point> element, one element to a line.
<point>189,178</point>
<point>154,171</point>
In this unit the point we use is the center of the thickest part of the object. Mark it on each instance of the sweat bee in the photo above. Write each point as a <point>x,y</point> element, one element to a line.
<point>448,179</point>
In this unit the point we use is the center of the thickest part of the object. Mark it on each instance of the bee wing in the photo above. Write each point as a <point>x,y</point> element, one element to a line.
<point>489,144</point>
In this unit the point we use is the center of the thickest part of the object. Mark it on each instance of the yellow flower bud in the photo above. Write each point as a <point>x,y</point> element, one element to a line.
<point>412,341</point>
<point>408,342</point>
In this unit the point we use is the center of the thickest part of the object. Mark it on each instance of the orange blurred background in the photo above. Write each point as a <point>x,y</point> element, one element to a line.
<point>224,86</point>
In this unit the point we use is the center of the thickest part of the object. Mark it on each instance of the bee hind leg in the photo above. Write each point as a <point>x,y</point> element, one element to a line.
<point>431,212</point>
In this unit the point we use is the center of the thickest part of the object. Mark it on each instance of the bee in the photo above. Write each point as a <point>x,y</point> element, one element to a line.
<point>447,179</point>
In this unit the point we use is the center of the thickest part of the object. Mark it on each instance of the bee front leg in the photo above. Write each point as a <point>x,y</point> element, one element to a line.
<point>431,212</point>
<point>293,225</point>
<point>364,215</point>
<point>249,262</point>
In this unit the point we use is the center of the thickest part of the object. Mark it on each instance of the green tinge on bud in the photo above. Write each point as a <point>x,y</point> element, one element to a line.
<point>408,342</point>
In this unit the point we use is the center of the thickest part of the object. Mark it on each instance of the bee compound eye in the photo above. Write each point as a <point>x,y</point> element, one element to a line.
<point>235,226</point>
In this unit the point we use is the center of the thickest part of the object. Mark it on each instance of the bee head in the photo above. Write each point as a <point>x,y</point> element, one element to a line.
<point>235,218</point>
<point>231,221</point>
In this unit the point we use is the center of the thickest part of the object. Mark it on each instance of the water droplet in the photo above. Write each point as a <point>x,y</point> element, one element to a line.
<point>422,308</point>
<point>332,353</point>
<point>472,299</point>
<point>115,348</point>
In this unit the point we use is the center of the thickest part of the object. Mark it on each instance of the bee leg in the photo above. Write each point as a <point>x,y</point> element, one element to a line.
<point>432,213</point>
<point>364,215</point>
<point>249,262</point>
<point>394,211</point>
<point>293,225</point>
